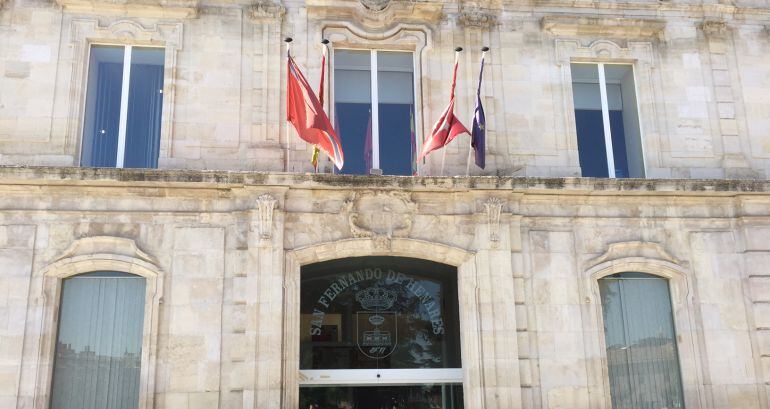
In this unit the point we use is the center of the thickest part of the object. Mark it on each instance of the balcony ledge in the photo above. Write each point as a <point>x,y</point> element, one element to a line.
<point>208,179</point>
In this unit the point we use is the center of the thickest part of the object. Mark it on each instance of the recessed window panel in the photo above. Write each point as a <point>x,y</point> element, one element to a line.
<point>99,342</point>
<point>353,109</point>
<point>378,136</point>
<point>145,105</point>
<point>639,333</point>
<point>102,117</point>
<point>607,120</point>
<point>124,99</point>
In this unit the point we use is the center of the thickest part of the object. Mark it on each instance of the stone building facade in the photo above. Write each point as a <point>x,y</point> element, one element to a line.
<point>228,221</point>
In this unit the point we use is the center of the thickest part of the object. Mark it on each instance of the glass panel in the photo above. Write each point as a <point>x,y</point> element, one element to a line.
<point>145,105</point>
<point>99,344</point>
<point>592,150</point>
<point>624,122</point>
<point>641,344</point>
<point>102,114</point>
<point>379,312</point>
<point>353,108</point>
<point>382,397</point>
<point>395,89</point>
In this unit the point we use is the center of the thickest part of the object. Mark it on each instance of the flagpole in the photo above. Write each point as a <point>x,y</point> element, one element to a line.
<point>288,41</point>
<point>470,145</point>
<point>443,155</point>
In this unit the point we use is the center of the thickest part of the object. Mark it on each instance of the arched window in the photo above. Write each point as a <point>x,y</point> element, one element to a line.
<point>379,332</point>
<point>642,355</point>
<point>99,342</point>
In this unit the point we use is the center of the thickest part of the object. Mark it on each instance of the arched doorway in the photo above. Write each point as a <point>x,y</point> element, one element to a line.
<point>379,332</point>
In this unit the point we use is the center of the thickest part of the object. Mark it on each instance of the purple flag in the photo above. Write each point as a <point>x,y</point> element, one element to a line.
<point>479,129</point>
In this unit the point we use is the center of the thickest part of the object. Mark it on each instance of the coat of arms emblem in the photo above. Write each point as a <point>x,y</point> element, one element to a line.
<point>376,328</point>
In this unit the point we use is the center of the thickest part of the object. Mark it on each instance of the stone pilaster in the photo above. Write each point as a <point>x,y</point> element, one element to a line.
<point>719,42</point>
<point>497,320</point>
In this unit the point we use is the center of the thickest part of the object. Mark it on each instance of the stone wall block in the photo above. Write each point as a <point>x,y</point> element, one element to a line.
<point>760,288</point>
<point>762,315</point>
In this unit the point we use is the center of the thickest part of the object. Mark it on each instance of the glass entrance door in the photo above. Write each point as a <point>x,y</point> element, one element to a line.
<point>382,397</point>
<point>379,332</point>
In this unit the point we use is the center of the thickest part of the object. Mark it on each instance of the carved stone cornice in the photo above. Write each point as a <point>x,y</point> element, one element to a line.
<point>377,15</point>
<point>172,9</point>
<point>266,10</point>
<point>380,215</point>
<point>105,245</point>
<point>602,26</point>
<point>714,28</point>
<point>477,17</point>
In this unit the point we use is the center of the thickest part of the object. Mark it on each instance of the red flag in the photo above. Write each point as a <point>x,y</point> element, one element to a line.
<point>447,127</point>
<point>306,113</point>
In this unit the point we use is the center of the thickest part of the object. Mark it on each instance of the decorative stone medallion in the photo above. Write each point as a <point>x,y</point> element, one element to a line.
<point>375,5</point>
<point>380,215</point>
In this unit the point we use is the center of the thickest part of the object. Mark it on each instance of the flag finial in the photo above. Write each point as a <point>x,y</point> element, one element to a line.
<point>288,39</point>
<point>458,49</point>
<point>485,49</point>
<point>324,41</point>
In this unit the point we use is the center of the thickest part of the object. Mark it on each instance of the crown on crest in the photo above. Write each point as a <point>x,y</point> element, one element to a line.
<point>376,298</point>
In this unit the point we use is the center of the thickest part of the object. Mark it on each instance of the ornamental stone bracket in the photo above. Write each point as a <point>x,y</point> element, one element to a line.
<point>264,223</point>
<point>380,216</point>
<point>603,27</point>
<point>263,10</point>
<point>477,17</point>
<point>494,207</point>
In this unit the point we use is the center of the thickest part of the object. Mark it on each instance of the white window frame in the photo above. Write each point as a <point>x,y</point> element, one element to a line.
<point>375,99</point>
<point>124,93</point>
<point>606,114</point>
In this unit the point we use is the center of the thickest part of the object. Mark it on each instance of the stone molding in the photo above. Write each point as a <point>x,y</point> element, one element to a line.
<point>602,26</point>
<point>262,10</point>
<point>118,246</point>
<point>172,9</point>
<point>86,31</point>
<point>477,17</point>
<point>101,253</point>
<point>648,250</point>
